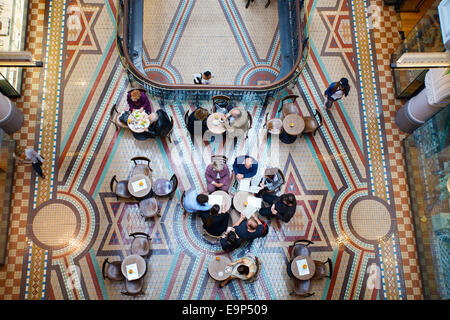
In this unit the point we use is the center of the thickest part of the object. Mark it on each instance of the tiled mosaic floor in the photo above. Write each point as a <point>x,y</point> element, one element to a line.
<point>349,178</point>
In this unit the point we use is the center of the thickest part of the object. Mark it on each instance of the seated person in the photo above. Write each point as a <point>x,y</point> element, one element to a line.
<point>230,240</point>
<point>270,182</point>
<point>195,202</point>
<point>249,229</point>
<point>200,114</point>
<point>235,120</point>
<point>202,78</point>
<point>245,167</point>
<point>244,268</point>
<point>160,124</point>
<point>217,176</point>
<point>137,99</point>
<point>282,207</point>
<point>214,221</point>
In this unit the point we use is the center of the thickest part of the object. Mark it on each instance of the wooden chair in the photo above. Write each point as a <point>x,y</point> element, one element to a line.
<point>312,124</point>
<point>290,107</point>
<point>134,287</point>
<point>149,208</point>
<point>221,101</point>
<point>120,189</point>
<point>114,118</point>
<point>174,180</point>
<point>211,237</point>
<point>140,244</point>
<point>301,288</point>
<point>273,126</point>
<point>300,249</point>
<point>321,269</point>
<point>112,270</point>
<point>141,168</point>
<point>250,123</point>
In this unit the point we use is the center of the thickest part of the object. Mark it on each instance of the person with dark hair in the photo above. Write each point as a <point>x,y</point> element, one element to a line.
<point>230,240</point>
<point>245,268</point>
<point>282,207</point>
<point>195,202</point>
<point>160,124</point>
<point>336,91</point>
<point>202,78</point>
<point>214,221</point>
<point>200,114</point>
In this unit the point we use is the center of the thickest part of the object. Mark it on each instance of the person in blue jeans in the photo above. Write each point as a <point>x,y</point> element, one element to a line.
<point>336,91</point>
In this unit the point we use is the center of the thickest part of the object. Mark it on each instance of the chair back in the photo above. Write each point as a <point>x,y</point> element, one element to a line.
<point>113,116</point>
<point>250,120</point>
<point>141,158</point>
<point>186,115</point>
<point>111,184</point>
<point>312,124</point>
<point>288,108</point>
<point>183,195</point>
<point>219,157</point>
<point>174,180</point>
<point>169,134</point>
<point>220,100</point>
<point>299,248</point>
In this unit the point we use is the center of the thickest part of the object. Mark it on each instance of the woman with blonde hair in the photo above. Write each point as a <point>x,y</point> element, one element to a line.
<point>217,176</point>
<point>200,114</point>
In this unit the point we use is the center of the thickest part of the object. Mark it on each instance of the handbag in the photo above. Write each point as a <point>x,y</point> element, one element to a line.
<point>124,116</point>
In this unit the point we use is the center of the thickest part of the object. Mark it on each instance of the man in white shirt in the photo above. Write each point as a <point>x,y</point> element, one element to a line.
<point>202,78</point>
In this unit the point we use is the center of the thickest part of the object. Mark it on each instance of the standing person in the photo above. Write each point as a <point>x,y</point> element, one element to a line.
<point>336,91</point>
<point>202,78</point>
<point>29,155</point>
<point>217,176</point>
<point>282,207</point>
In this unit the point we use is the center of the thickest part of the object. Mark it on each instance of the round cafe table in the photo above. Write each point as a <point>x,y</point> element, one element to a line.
<point>140,263</point>
<point>218,128</point>
<point>293,124</point>
<point>311,267</point>
<point>226,198</point>
<point>135,179</point>
<point>218,269</point>
<point>239,200</point>
<point>132,125</point>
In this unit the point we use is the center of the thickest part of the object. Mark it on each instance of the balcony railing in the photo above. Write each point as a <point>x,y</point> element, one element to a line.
<point>294,53</point>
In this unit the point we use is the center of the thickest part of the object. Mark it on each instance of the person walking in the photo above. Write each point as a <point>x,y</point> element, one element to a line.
<point>29,155</point>
<point>336,91</point>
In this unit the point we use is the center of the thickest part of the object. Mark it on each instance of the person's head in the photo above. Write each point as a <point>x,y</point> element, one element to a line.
<point>244,270</point>
<point>153,117</point>
<point>202,198</point>
<point>252,224</point>
<point>217,165</point>
<point>248,162</point>
<point>135,95</point>
<point>235,113</point>
<point>201,114</point>
<point>231,237</point>
<point>289,199</point>
<point>207,75</point>
<point>343,82</point>
<point>215,209</point>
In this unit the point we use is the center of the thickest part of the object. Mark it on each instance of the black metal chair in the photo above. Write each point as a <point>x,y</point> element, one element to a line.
<point>112,270</point>
<point>300,249</point>
<point>114,118</point>
<point>321,269</point>
<point>134,287</point>
<point>140,244</point>
<point>312,124</point>
<point>301,288</point>
<point>120,189</point>
<point>183,195</point>
<point>149,208</point>
<point>141,168</point>
<point>169,134</point>
<point>290,107</point>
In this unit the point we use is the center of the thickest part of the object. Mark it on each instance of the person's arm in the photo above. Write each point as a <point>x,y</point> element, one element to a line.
<point>256,218</point>
<point>252,171</point>
<point>209,175</point>
<point>226,179</point>
<point>237,223</point>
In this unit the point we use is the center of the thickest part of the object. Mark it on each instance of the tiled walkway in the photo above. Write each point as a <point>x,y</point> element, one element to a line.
<point>348,179</point>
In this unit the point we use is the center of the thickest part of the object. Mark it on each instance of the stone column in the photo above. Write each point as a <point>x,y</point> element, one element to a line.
<point>11,118</point>
<point>420,108</point>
